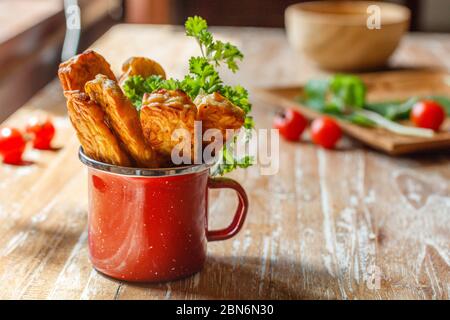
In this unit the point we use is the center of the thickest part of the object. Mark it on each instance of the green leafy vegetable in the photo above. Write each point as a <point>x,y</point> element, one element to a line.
<point>344,96</point>
<point>393,110</point>
<point>338,93</point>
<point>202,78</point>
<point>214,51</point>
<point>316,93</point>
<point>136,86</point>
<point>347,91</point>
<point>336,96</point>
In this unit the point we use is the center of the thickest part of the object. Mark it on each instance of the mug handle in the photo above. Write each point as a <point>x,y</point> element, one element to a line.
<point>241,211</point>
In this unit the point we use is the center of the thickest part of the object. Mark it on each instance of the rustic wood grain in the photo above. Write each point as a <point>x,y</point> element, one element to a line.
<point>318,229</point>
<point>381,86</point>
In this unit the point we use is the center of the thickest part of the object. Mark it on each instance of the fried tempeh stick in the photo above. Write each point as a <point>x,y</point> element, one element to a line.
<point>163,112</point>
<point>75,72</point>
<point>123,119</point>
<point>97,140</point>
<point>217,112</point>
<point>142,66</point>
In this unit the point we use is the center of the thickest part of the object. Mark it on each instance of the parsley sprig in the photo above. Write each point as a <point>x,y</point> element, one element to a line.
<point>136,86</point>
<point>203,78</point>
<point>216,52</point>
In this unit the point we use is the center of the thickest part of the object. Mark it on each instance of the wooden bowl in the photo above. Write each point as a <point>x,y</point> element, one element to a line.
<point>335,34</point>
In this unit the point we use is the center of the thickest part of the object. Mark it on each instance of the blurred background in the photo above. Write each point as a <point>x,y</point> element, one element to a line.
<point>32,32</point>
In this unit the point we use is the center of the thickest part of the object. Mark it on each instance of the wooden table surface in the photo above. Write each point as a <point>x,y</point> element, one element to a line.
<point>344,224</point>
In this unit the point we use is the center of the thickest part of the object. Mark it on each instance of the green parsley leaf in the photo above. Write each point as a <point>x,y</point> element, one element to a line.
<point>215,52</point>
<point>136,86</point>
<point>202,76</point>
<point>195,25</point>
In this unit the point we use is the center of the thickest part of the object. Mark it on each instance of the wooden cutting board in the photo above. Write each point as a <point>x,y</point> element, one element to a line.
<point>381,86</point>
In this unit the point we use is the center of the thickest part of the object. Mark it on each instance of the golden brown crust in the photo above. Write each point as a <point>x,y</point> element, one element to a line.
<point>217,112</point>
<point>122,118</point>
<point>142,66</point>
<point>97,140</point>
<point>76,71</point>
<point>163,112</point>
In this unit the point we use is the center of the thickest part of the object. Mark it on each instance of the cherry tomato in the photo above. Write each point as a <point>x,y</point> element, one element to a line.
<point>42,133</point>
<point>428,114</point>
<point>291,124</point>
<point>325,132</point>
<point>12,145</point>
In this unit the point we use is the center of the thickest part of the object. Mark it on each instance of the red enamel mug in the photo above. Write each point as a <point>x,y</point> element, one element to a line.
<point>152,224</point>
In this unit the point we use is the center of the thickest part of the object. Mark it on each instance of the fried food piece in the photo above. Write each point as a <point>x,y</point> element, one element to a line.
<point>163,112</point>
<point>142,66</point>
<point>217,112</point>
<point>97,140</point>
<point>122,118</point>
<point>78,70</point>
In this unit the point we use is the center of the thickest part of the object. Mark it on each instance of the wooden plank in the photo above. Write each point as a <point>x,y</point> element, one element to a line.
<point>319,229</point>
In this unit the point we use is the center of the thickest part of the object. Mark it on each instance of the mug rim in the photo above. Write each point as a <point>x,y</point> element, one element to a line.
<point>141,172</point>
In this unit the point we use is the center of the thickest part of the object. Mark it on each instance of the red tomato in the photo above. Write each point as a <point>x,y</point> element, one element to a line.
<point>12,145</point>
<point>325,132</point>
<point>42,133</point>
<point>291,124</point>
<point>428,114</point>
